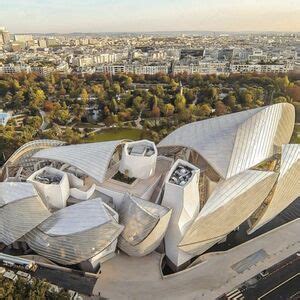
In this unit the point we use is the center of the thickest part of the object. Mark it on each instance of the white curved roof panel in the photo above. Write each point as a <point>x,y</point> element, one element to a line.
<point>236,142</point>
<point>92,159</point>
<point>76,219</point>
<point>75,233</point>
<point>232,202</point>
<point>25,152</point>
<point>287,188</point>
<point>14,191</point>
<point>21,210</point>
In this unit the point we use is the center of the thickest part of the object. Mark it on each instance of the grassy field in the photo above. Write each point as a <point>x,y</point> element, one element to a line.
<point>297,107</point>
<point>111,134</point>
<point>296,136</point>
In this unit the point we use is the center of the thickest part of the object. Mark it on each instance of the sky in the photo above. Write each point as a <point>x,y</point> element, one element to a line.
<point>64,16</point>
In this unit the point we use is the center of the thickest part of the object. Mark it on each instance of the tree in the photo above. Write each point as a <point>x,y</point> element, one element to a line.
<point>114,106</point>
<point>18,100</point>
<point>84,96</point>
<point>99,91</point>
<point>169,109</point>
<point>190,95</point>
<point>48,106</point>
<point>111,119</point>
<point>205,110</point>
<point>138,103</point>
<point>230,101</point>
<point>213,94</point>
<point>71,136</point>
<point>35,290</point>
<point>283,82</point>
<point>294,92</point>
<point>155,113</point>
<point>60,114</point>
<point>247,98</point>
<point>280,99</point>
<point>37,100</point>
<point>221,108</point>
<point>180,102</point>
<point>174,85</point>
<point>116,88</point>
<point>158,90</point>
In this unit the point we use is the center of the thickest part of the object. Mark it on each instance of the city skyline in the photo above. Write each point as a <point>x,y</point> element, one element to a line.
<point>132,16</point>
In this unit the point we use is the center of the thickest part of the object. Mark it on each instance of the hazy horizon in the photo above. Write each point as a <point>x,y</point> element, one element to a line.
<point>116,16</point>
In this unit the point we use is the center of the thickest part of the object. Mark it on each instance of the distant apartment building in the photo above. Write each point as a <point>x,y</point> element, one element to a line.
<point>11,69</point>
<point>105,58</point>
<point>201,68</point>
<point>111,69</point>
<point>226,54</point>
<point>148,69</point>
<point>261,68</point>
<point>4,36</point>
<point>16,47</point>
<point>23,38</point>
<point>63,68</point>
<point>257,56</point>
<point>51,42</point>
<point>42,43</point>
<point>133,68</point>
<point>157,55</point>
<point>94,60</point>
<point>192,53</point>
<point>83,42</point>
<point>42,70</point>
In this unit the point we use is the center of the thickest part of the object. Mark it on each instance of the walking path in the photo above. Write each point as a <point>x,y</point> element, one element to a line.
<point>125,277</point>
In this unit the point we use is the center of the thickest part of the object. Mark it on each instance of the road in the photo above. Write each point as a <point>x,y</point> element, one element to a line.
<point>124,278</point>
<point>281,281</point>
<point>44,123</point>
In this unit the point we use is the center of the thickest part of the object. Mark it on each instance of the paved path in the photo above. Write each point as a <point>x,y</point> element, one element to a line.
<point>126,277</point>
<point>44,123</point>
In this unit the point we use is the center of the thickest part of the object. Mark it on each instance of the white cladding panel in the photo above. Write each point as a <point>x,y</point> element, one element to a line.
<point>138,166</point>
<point>232,202</point>
<point>14,191</point>
<point>22,211</point>
<point>246,138</point>
<point>93,159</point>
<point>54,195</point>
<point>145,224</point>
<point>287,188</point>
<point>76,233</point>
<point>185,204</point>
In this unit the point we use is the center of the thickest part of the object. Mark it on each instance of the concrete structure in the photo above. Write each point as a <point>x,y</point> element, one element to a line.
<point>53,185</point>
<point>210,276</point>
<point>138,159</point>
<point>183,198</point>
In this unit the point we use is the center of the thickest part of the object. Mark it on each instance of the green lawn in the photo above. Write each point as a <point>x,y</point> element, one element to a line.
<point>297,108</point>
<point>111,134</point>
<point>87,125</point>
<point>296,135</point>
